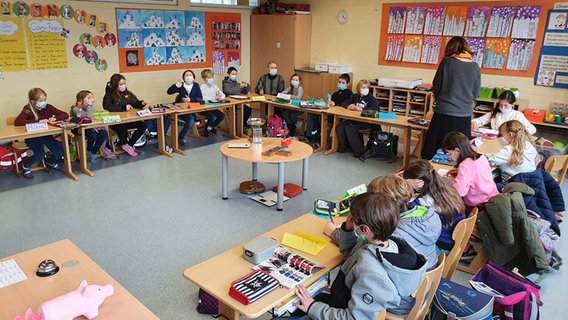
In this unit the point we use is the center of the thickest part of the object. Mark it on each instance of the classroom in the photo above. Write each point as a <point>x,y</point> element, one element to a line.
<point>146,219</point>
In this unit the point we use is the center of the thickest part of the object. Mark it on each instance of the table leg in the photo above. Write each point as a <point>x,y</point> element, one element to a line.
<point>83,163</point>
<point>254,171</point>
<point>68,170</point>
<point>227,312</point>
<point>162,137</point>
<point>323,133</point>
<point>231,122</point>
<point>280,193</point>
<point>406,154</point>
<point>225,177</point>
<point>305,174</point>
<point>239,118</point>
<point>334,141</point>
<point>174,132</point>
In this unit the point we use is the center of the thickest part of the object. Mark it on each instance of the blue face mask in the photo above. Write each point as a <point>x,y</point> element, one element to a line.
<point>273,72</point>
<point>341,86</point>
<point>188,80</point>
<point>210,81</point>
<point>359,236</point>
<point>41,105</point>
<point>506,111</point>
<point>233,77</point>
<point>295,83</point>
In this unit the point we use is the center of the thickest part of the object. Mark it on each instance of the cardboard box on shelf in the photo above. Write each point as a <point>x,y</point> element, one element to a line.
<point>340,68</point>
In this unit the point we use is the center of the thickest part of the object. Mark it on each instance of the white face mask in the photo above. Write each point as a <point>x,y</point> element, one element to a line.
<point>233,77</point>
<point>364,91</point>
<point>506,110</point>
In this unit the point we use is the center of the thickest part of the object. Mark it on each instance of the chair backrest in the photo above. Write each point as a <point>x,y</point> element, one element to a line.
<point>555,164</point>
<point>461,235</point>
<point>10,121</point>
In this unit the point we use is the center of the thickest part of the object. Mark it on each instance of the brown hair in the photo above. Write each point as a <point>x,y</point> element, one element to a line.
<point>33,95</point>
<point>458,140</point>
<point>80,100</point>
<point>345,77</point>
<point>457,45</point>
<point>396,187</point>
<point>519,141</point>
<point>447,200</point>
<point>186,71</point>
<point>378,212</point>
<point>506,95</point>
<point>293,90</point>
<point>114,81</point>
<point>271,62</point>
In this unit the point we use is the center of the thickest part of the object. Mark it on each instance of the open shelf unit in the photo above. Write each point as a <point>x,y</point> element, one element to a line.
<point>408,102</point>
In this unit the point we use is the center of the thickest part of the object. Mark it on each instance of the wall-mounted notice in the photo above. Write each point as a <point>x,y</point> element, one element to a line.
<point>12,45</point>
<point>46,46</point>
<point>552,68</point>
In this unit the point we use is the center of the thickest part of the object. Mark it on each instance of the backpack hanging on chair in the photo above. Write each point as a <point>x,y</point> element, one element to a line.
<point>381,145</point>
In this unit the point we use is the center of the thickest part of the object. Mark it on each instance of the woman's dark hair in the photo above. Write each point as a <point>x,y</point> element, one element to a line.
<point>231,69</point>
<point>457,45</point>
<point>458,140</point>
<point>378,212</point>
<point>447,200</point>
<point>114,80</point>
<point>507,95</point>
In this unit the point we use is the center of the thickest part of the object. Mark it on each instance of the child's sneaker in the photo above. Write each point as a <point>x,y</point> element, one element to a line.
<point>128,149</point>
<point>169,149</point>
<point>54,165</point>
<point>108,153</point>
<point>469,254</point>
<point>27,173</point>
<point>93,157</point>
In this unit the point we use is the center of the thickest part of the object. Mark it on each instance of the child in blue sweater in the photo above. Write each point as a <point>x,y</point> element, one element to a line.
<point>186,90</point>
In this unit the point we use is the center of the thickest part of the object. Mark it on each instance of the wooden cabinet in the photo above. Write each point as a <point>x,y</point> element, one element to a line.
<point>412,103</point>
<point>318,84</point>
<point>285,39</point>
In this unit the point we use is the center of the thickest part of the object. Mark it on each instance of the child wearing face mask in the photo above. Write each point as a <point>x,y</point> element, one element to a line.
<point>232,87</point>
<point>518,153</point>
<point>296,92</point>
<point>211,92</point>
<point>503,112</point>
<point>96,137</point>
<point>186,90</point>
<point>118,99</point>
<point>38,110</point>
<point>348,131</point>
<point>473,178</point>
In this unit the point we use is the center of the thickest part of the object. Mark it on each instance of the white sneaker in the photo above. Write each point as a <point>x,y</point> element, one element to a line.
<point>169,149</point>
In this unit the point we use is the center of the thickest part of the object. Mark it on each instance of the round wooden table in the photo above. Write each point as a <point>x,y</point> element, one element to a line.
<point>254,154</point>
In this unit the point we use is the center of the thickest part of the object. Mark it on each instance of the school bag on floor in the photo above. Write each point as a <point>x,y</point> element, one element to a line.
<point>381,145</point>
<point>547,238</point>
<point>274,125</point>
<point>454,301</point>
<point>519,297</point>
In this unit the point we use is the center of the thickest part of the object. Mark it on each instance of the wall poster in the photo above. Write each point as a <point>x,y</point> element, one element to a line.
<point>552,68</point>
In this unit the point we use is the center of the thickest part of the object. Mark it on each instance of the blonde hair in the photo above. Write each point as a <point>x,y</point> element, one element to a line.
<point>206,73</point>
<point>519,140</point>
<point>398,188</point>
<point>361,83</point>
<point>271,62</point>
<point>33,95</point>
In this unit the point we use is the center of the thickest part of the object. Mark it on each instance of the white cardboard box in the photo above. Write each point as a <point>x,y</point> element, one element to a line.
<point>399,83</point>
<point>323,66</point>
<point>340,68</point>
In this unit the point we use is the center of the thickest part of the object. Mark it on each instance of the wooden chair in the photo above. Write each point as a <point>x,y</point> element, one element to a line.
<point>21,147</point>
<point>557,167</point>
<point>461,235</point>
<point>423,295</point>
<point>419,136</point>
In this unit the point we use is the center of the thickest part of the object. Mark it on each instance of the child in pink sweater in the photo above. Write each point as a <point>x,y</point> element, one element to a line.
<point>473,178</point>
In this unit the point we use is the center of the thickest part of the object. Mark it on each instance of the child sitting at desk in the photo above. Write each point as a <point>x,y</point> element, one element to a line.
<point>96,138</point>
<point>435,191</point>
<point>118,98</point>
<point>473,179</point>
<point>211,93</point>
<point>380,270</point>
<point>502,113</point>
<point>38,110</point>
<point>348,131</point>
<point>296,92</point>
<point>419,225</point>
<point>232,87</point>
<point>518,154</point>
<point>187,91</point>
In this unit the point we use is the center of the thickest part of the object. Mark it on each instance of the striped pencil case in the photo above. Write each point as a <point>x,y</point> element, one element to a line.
<point>252,287</point>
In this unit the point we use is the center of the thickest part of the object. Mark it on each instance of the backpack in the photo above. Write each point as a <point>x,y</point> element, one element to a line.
<point>547,238</point>
<point>274,125</point>
<point>381,145</point>
<point>10,158</point>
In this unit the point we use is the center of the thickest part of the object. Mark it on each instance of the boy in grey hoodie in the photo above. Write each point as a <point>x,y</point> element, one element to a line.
<point>379,272</point>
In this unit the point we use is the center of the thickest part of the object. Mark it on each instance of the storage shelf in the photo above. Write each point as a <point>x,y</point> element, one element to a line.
<point>418,108</point>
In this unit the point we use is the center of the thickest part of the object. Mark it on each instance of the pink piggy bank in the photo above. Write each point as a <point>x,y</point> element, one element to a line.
<point>83,301</point>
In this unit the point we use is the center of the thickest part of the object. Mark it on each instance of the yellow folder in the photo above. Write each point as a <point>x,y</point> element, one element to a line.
<point>304,242</point>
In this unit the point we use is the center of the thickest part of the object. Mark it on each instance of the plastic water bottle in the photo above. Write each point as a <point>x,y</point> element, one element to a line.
<point>328,101</point>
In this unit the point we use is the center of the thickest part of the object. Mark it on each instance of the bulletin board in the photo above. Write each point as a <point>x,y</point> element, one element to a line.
<point>505,36</point>
<point>150,40</point>
<point>552,68</point>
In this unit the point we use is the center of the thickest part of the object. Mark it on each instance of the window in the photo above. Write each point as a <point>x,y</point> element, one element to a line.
<point>249,3</point>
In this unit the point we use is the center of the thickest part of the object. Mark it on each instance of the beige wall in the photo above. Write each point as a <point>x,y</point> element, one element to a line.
<point>357,43</point>
<point>61,85</point>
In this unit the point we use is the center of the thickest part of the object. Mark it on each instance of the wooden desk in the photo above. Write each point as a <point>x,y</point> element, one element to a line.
<point>15,299</point>
<point>300,151</point>
<point>216,274</point>
<point>125,117</point>
<point>230,119</point>
<point>11,133</point>
<point>340,113</point>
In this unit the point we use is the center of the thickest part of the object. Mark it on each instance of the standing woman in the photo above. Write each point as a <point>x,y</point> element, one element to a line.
<point>455,86</point>
<point>117,99</point>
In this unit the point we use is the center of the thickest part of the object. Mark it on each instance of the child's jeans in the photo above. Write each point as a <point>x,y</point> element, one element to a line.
<point>189,122</point>
<point>37,147</point>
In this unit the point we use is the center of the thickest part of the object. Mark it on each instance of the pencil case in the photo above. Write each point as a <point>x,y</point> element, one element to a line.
<point>253,286</point>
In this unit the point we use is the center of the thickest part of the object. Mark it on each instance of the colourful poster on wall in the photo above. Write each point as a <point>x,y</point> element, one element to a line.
<point>12,45</point>
<point>552,68</point>
<point>46,46</point>
<point>225,37</point>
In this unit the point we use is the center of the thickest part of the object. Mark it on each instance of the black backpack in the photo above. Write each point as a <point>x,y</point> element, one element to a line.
<point>381,145</point>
